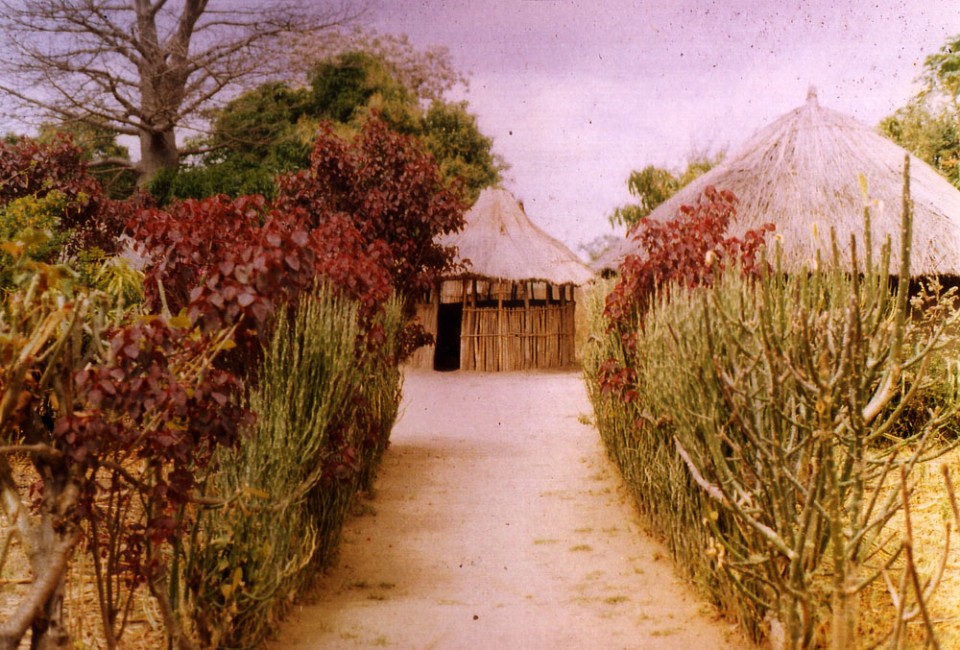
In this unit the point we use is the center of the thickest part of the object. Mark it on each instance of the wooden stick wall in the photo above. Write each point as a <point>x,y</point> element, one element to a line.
<point>517,338</point>
<point>503,326</point>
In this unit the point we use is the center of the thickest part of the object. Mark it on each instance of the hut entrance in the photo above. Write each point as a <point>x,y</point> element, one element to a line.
<point>449,320</point>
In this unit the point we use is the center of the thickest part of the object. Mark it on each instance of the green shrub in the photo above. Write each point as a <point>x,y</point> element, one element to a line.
<point>324,412</point>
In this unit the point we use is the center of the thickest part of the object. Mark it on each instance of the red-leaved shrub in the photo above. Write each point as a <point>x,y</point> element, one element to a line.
<point>31,168</point>
<point>234,262</point>
<point>389,188</point>
<point>364,217</point>
<point>688,250</point>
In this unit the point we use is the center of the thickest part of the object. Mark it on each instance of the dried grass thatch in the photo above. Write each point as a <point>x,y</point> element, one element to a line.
<point>499,242</point>
<point>802,173</point>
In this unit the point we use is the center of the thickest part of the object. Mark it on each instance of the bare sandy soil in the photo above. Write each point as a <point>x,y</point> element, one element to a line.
<point>498,522</point>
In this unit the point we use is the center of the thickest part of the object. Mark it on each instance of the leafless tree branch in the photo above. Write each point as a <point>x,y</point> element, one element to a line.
<point>145,67</point>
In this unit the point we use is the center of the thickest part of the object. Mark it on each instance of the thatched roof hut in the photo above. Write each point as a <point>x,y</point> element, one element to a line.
<point>512,306</point>
<point>802,173</point>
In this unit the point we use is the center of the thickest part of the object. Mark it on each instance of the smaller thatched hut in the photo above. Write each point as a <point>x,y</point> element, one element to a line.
<point>512,308</point>
<point>802,173</point>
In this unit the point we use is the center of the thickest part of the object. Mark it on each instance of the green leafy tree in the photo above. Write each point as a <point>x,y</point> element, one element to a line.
<point>929,125</point>
<point>269,130</point>
<point>451,134</point>
<point>251,128</point>
<point>253,138</point>
<point>352,86</point>
<point>653,185</point>
<point>426,74</point>
<point>348,87</point>
<point>942,70</point>
<point>929,133</point>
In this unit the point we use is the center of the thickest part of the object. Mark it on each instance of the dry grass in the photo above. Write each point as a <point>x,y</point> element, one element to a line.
<point>15,573</point>
<point>144,630</point>
<point>930,514</point>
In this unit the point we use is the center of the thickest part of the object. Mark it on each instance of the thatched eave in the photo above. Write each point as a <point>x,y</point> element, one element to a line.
<point>499,242</point>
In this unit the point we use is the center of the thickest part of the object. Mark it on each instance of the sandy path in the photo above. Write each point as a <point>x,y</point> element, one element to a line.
<point>498,522</point>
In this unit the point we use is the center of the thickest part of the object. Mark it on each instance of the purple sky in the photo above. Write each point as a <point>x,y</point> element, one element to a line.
<point>577,94</point>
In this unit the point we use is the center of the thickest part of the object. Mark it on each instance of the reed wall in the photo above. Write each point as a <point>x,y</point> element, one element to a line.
<point>517,338</point>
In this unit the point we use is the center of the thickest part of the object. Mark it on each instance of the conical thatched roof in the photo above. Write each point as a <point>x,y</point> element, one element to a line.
<point>801,173</point>
<point>499,241</point>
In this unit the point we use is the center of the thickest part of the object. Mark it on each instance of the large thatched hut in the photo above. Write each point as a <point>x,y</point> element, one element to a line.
<point>802,173</point>
<point>512,306</point>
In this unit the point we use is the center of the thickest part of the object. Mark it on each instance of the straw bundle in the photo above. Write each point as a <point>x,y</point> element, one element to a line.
<point>802,173</point>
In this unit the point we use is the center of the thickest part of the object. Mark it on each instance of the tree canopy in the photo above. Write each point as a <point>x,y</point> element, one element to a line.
<point>653,185</point>
<point>427,74</point>
<point>942,70</point>
<point>929,125</point>
<point>269,130</point>
<point>928,132</point>
<point>145,68</point>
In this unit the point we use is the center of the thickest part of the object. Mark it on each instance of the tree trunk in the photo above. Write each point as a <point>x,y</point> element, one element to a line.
<point>158,151</point>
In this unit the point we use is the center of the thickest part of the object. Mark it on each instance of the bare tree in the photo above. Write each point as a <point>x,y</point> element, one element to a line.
<point>146,67</point>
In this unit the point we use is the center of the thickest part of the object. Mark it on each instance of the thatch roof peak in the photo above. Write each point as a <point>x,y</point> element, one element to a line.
<point>802,173</point>
<point>499,241</point>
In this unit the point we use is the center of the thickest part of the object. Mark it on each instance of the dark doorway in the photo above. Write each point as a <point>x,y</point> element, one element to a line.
<point>449,320</point>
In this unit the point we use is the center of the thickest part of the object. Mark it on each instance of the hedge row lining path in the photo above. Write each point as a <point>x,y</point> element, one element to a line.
<point>498,522</point>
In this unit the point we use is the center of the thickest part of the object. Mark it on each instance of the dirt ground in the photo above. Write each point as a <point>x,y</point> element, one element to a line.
<point>498,522</point>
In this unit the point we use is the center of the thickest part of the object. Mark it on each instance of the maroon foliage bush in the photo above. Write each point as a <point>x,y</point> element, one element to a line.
<point>235,262</point>
<point>140,405</point>
<point>29,168</point>
<point>364,217</point>
<point>130,419</point>
<point>389,188</point>
<point>688,250</point>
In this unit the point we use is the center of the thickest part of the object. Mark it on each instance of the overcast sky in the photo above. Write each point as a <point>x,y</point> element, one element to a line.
<point>577,94</point>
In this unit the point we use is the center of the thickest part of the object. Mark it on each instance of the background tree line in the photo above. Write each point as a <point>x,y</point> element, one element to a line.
<point>250,82</point>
